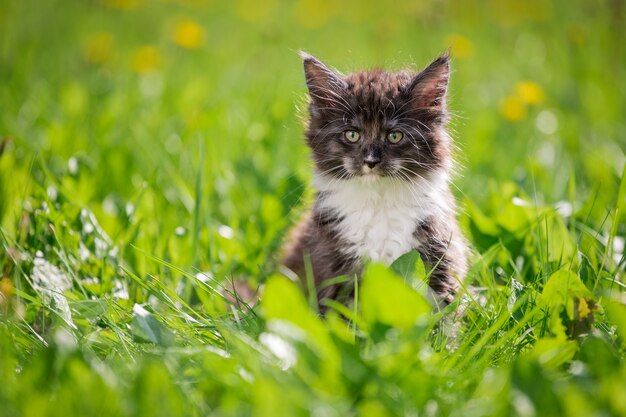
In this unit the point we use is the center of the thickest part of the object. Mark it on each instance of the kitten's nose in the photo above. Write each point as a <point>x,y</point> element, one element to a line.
<point>371,161</point>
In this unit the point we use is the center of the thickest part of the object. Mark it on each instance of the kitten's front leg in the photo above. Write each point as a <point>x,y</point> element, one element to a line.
<point>316,242</point>
<point>444,254</point>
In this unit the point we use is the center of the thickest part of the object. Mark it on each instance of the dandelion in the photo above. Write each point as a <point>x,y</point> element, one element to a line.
<point>6,288</point>
<point>6,291</point>
<point>99,48</point>
<point>460,46</point>
<point>583,308</point>
<point>146,59</point>
<point>513,109</point>
<point>188,34</point>
<point>529,92</point>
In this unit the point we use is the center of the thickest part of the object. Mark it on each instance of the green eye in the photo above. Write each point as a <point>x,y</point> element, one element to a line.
<point>352,135</point>
<point>395,137</point>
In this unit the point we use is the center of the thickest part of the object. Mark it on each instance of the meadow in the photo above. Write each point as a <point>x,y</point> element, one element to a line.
<point>152,154</point>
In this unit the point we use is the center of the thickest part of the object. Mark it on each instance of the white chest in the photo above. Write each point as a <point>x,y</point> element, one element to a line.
<point>379,217</point>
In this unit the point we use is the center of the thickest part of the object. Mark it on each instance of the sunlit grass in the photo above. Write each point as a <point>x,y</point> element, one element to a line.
<point>152,159</point>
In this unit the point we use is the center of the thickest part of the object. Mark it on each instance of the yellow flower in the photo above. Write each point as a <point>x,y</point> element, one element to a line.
<point>529,92</point>
<point>513,109</point>
<point>99,48</point>
<point>460,46</point>
<point>146,59</point>
<point>583,308</point>
<point>6,288</point>
<point>188,34</point>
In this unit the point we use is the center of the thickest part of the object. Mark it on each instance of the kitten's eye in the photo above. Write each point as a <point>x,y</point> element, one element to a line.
<point>352,135</point>
<point>395,137</point>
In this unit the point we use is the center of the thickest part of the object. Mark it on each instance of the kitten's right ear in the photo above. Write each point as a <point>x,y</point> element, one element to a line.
<point>428,88</point>
<point>325,86</point>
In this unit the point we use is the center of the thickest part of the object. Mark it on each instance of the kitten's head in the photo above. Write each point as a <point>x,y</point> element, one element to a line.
<point>378,124</point>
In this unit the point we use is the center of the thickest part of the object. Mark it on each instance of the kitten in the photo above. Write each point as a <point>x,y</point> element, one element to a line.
<point>382,162</point>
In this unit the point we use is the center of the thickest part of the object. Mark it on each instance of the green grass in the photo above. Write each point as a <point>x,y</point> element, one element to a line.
<point>152,154</point>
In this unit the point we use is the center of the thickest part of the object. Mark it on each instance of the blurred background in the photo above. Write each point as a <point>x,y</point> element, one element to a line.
<point>178,124</point>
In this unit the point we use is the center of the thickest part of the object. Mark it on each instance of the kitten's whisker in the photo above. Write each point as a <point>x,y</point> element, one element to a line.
<point>330,170</point>
<point>428,186</point>
<point>392,104</point>
<point>343,103</point>
<point>423,140</point>
<point>406,103</point>
<point>416,162</point>
<point>419,122</point>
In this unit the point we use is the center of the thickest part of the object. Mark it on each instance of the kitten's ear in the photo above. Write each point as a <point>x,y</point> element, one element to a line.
<point>428,89</point>
<point>323,83</point>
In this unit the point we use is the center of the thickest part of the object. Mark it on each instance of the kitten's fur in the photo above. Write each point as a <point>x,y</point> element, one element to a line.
<point>377,200</point>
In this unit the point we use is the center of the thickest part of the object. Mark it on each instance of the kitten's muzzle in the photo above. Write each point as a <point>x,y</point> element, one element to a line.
<point>372,158</point>
<point>371,162</point>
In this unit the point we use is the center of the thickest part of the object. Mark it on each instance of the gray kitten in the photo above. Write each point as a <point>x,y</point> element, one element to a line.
<point>382,163</point>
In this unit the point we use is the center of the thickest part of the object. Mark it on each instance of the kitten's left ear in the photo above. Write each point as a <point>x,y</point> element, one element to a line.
<point>428,89</point>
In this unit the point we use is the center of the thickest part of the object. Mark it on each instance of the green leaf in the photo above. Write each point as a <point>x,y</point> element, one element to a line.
<point>565,289</point>
<point>553,352</point>
<point>514,216</point>
<point>560,246</point>
<point>561,287</point>
<point>147,327</point>
<point>386,299</point>
<point>284,302</point>
<point>483,223</point>
<point>410,267</point>
<point>405,265</point>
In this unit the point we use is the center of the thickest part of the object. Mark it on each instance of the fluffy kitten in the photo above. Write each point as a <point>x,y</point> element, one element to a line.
<point>382,162</point>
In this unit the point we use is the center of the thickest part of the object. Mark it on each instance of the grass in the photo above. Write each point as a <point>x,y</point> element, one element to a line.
<point>151,155</point>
